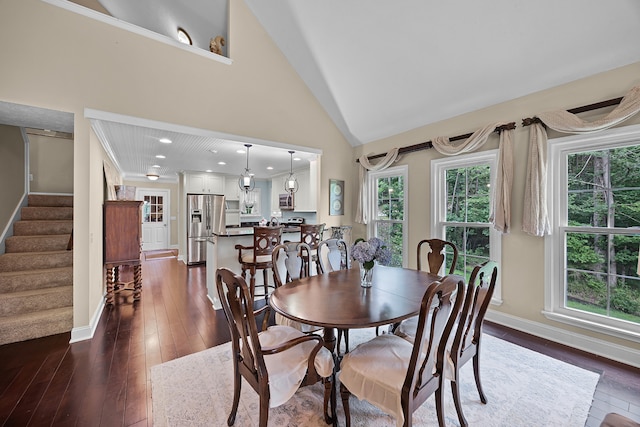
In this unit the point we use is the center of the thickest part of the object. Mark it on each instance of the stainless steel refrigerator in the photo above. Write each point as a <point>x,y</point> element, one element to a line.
<point>206,217</point>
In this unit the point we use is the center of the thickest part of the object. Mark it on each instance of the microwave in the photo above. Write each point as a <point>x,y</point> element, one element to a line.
<point>286,202</point>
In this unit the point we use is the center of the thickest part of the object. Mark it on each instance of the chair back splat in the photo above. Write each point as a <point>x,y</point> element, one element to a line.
<point>258,256</point>
<point>435,257</point>
<point>267,359</point>
<point>334,255</point>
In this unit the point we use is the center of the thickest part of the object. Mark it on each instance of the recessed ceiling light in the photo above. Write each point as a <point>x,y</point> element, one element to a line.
<point>269,167</point>
<point>155,166</point>
<point>297,159</point>
<point>208,170</point>
<point>240,151</point>
<point>214,151</point>
<point>222,163</point>
<point>165,140</point>
<point>160,156</point>
<point>183,37</point>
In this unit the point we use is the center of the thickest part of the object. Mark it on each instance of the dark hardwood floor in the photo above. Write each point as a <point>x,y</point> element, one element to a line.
<point>105,381</point>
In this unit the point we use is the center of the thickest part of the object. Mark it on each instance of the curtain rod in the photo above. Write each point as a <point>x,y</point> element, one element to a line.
<point>608,103</point>
<point>426,145</point>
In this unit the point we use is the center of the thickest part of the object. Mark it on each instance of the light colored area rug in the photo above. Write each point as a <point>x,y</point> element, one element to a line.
<point>523,388</point>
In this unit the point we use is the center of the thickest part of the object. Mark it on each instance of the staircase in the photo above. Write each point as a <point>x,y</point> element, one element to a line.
<point>36,272</point>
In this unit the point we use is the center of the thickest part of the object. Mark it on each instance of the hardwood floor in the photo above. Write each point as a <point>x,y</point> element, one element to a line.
<point>105,381</point>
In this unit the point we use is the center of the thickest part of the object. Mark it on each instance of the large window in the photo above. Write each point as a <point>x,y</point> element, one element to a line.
<point>592,265</point>
<point>461,197</point>
<point>388,214</point>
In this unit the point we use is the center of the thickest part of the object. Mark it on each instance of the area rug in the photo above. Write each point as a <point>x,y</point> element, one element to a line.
<point>523,388</point>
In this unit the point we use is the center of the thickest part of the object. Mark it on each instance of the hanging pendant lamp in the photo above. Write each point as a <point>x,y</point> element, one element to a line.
<point>246,181</point>
<point>291,183</point>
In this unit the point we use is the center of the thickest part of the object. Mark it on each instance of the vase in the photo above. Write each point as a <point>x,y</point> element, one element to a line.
<point>366,277</point>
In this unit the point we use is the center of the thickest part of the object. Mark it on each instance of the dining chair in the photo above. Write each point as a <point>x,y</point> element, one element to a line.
<point>397,376</point>
<point>274,362</point>
<point>337,255</point>
<point>258,256</point>
<point>436,255</point>
<point>311,234</point>
<point>467,337</point>
<point>290,261</point>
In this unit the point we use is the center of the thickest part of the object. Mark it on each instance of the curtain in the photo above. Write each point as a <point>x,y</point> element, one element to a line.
<point>535,220</point>
<point>501,206</point>
<point>500,215</point>
<point>362,209</point>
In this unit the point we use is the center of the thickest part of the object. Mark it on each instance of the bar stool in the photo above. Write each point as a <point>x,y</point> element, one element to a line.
<point>311,234</point>
<point>259,257</point>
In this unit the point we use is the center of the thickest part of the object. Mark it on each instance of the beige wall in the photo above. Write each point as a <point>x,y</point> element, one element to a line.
<point>12,170</point>
<point>93,65</point>
<point>522,255</point>
<point>50,164</point>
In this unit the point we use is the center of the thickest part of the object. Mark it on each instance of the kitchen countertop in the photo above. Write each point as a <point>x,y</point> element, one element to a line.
<point>248,231</point>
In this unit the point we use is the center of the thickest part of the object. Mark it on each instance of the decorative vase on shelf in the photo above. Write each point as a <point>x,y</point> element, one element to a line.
<point>366,276</point>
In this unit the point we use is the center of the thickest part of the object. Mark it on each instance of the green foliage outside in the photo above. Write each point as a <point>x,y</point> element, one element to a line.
<point>604,191</point>
<point>390,208</point>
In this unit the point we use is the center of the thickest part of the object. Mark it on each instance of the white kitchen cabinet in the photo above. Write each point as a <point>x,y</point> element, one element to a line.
<point>231,189</point>
<point>277,188</point>
<point>204,183</point>
<point>306,199</point>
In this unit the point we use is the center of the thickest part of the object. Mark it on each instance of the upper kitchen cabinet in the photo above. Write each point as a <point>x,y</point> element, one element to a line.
<point>306,198</point>
<point>204,183</point>
<point>231,188</point>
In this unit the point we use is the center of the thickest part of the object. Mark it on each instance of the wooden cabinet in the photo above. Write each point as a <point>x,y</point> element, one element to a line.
<point>122,244</point>
<point>204,183</point>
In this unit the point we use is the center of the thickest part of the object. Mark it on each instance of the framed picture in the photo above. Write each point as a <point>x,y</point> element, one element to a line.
<point>336,197</point>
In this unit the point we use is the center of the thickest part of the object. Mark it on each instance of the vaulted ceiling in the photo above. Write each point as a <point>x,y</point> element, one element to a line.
<point>382,67</point>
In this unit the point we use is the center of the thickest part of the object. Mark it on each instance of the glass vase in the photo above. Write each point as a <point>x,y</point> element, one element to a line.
<point>366,277</point>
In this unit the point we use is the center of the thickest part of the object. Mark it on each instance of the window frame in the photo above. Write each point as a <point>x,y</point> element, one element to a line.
<point>558,150</point>
<point>438,224</point>
<point>372,176</point>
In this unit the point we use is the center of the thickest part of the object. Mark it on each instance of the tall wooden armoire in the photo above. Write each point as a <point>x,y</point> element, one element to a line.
<point>122,244</point>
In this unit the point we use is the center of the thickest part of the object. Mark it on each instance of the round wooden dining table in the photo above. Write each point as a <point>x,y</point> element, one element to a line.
<point>336,299</point>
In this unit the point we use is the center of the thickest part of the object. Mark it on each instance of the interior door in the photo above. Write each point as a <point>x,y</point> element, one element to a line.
<point>155,221</point>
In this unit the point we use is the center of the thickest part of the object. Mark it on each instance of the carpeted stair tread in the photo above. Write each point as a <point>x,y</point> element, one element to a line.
<point>29,213</point>
<point>49,200</point>
<point>35,260</point>
<point>39,227</point>
<point>18,303</point>
<point>37,243</point>
<point>15,281</point>
<point>35,325</point>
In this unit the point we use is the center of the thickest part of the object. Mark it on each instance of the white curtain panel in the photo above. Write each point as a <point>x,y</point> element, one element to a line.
<point>535,219</point>
<point>362,210</point>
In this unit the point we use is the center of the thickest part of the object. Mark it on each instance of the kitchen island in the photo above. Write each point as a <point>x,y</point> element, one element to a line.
<point>222,252</point>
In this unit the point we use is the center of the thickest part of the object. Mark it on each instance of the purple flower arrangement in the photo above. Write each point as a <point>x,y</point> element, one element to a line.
<point>367,252</point>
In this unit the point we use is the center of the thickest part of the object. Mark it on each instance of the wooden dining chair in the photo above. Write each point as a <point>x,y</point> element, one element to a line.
<point>311,234</point>
<point>436,256</point>
<point>397,376</point>
<point>274,362</point>
<point>467,337</point>
<point>334,255</point>
<point>258,256</point>
<point>290,261</point>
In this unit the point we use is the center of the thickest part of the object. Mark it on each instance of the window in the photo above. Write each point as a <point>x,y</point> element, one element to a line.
<point>592,252</point>
<point>461,204</point>
<point>152,209</point>
<point>389,210</point>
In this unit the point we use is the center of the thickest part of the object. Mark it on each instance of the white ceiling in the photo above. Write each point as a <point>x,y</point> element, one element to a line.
<point>382,67</point>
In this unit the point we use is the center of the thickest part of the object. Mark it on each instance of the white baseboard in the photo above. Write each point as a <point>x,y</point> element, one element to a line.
<point>591,345</point>
<point>86,332</point>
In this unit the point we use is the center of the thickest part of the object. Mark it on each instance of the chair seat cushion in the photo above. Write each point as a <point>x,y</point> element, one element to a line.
<point>247,257</point>
<point>375,371</point>
<point>288,368</point>
<point>302,327</point>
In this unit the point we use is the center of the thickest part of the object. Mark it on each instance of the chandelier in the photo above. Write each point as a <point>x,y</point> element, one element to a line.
<point>291,183</point>
<point>246,181</point>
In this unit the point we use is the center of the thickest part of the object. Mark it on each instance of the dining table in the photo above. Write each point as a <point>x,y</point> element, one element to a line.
<point>336,300</point>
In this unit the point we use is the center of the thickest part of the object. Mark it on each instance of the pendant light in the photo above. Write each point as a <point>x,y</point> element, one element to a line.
<point>291,183</point>
<point>246,181</point>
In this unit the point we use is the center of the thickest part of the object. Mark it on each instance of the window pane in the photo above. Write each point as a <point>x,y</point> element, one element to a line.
<point>473,247</point>
<point>601,274</point>
<point>468,194</point>
<point>604,188</point>
<point>390,198</point>
<point>391,234</point>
